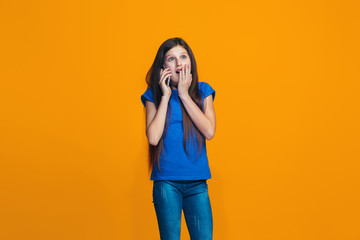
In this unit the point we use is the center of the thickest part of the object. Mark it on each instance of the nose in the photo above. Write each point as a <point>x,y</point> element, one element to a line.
<point>178,63</point>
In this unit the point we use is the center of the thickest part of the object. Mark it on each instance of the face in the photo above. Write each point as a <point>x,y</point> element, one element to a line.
<point>176,59</point>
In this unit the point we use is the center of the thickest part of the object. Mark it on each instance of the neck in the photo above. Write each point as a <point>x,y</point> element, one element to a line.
<point>173,87</point>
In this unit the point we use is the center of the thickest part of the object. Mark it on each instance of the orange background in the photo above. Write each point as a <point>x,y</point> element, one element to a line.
<point>285,156</point>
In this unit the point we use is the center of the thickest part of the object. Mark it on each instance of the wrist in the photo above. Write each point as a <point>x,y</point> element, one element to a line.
<point>165,97</point>
<point>184,96</point>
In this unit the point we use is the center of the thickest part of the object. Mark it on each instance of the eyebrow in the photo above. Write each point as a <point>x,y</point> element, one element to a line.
<point>180,53</point>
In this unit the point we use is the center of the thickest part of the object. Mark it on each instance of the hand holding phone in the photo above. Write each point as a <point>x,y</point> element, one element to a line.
<point>164,81</point>
<point>168,80</point>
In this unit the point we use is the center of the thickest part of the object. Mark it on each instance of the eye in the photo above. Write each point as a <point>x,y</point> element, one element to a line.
<point>170,59</point>
<point>183,56</point>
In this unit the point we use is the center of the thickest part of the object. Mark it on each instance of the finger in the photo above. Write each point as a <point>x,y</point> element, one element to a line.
<point>187,72</point>
<point>167,71</point>
<point>166,76</point>
<point>184,75</point>
<point>162,77</point>
<point>164,72</point>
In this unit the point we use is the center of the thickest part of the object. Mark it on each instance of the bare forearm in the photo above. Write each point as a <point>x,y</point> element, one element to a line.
<point>205,125</point>
<point>156,127</point>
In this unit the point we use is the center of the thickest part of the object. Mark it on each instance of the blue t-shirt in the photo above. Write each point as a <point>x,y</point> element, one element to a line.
<point>175,164</point>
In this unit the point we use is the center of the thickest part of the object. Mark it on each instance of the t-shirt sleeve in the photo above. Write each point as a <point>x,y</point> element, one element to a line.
<point>148,95</point>
<point>206,89</point>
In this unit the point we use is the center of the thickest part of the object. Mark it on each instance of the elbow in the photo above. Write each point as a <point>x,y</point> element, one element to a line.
<point>209,137</point>
<point>152,139</point>
<point>153,142</point>
<point>210,134</point>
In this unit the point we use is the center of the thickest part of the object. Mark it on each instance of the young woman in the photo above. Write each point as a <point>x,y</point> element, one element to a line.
<point>179,117</point>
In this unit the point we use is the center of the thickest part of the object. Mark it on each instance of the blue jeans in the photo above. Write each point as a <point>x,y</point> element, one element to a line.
<point>171,197</point>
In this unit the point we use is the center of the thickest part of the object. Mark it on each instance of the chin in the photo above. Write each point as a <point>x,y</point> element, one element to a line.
<point>174,82</point>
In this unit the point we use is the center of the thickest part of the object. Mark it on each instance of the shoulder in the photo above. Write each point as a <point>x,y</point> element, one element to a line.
<point>206,90</point>
<point>148,95</point>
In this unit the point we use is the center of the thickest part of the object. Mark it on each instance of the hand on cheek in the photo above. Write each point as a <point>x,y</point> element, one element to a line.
<point>185,80</point>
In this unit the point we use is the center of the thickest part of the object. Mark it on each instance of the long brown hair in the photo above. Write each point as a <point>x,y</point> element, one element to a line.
<point>152,80</point>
